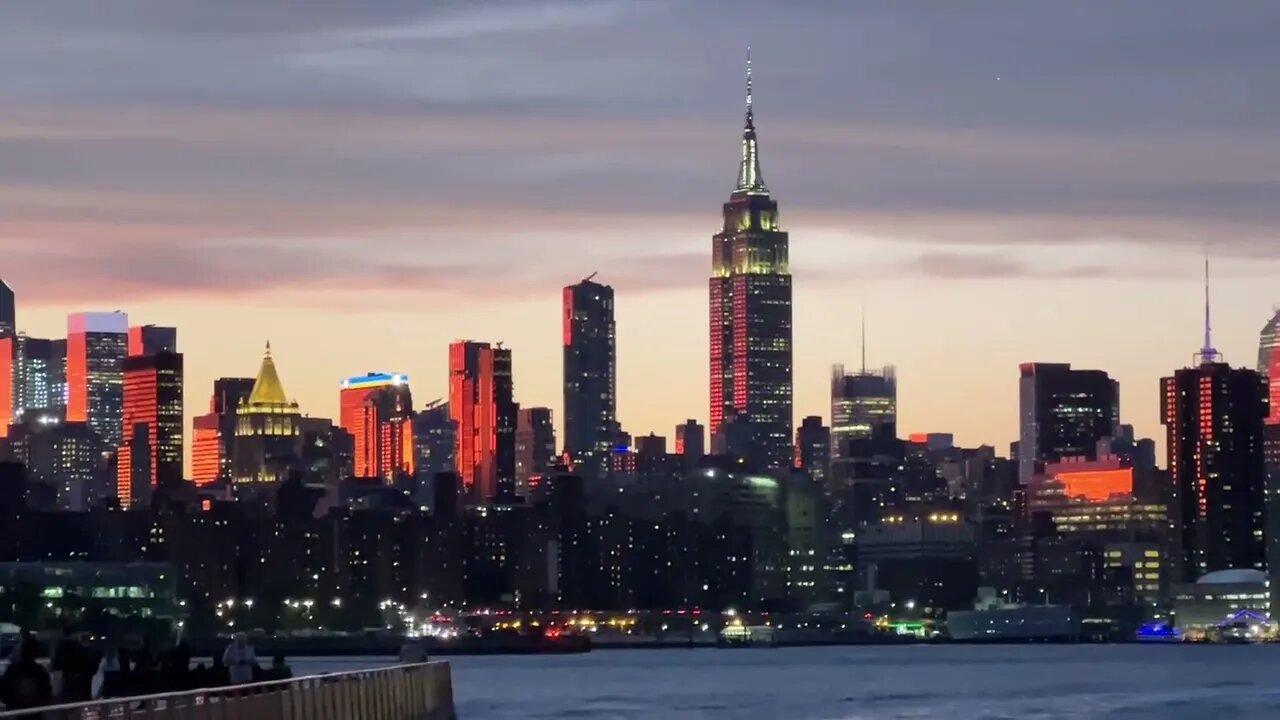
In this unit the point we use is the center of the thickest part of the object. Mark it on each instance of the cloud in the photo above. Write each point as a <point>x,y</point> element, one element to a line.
<point>453,141</point>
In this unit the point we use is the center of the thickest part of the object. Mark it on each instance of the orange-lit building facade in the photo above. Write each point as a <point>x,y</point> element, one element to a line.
<point>377,410</point>
<point>213,434</point>
<point>97,344</point>
<point>483,409</point>
<point>151,451</point>
<point>8,355</point>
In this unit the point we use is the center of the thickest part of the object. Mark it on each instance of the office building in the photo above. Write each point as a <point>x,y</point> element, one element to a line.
<point>435,440</point>
<point>590,376</point>
<point>535,445</point>
<point>29,365</point>
<point>1268,340</point>
<point>1214,417</point>
<point>151,452</point>
<point>813,449</point>
<point>482,406</point>
<point>1063,412</point>
<point>268,435</point>
<point>691,443</point>
<point>750,309</point>
<point>68,458</point>
<point>8,311</point>
<point>377,409</point>
<point>864,405</point>
<point>152,339</point>
<point>97,344</point>
<point>213,434</point>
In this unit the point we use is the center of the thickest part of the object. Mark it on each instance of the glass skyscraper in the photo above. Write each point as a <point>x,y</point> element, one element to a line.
<point>590,376</point>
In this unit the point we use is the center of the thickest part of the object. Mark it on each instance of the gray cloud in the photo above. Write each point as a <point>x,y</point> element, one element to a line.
<point>985,125</point>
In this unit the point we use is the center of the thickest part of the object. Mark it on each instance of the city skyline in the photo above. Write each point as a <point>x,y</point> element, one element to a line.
<point>1072,208</point>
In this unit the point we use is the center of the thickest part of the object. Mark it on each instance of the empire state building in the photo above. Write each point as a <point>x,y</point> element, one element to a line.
<point>750,285</point>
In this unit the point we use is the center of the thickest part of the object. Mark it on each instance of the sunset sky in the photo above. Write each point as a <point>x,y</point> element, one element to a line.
<point>362,182</point>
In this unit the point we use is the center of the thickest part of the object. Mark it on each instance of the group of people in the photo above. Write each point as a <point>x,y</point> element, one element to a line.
<point>77,672</point>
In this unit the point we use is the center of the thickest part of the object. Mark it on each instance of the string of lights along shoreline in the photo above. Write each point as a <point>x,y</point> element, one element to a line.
<point>456,492</point>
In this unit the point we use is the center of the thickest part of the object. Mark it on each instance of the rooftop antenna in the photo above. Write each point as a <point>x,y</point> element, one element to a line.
<point>748,79</point>
<point>1207,353</point>
<point>588,278</point>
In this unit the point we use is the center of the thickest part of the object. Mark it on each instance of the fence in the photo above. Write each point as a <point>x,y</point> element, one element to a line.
<point>403,692</point>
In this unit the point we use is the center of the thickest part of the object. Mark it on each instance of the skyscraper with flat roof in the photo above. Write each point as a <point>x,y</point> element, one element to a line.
<point>482,405</point>
<point>750,302</point>
<point>535,444</point>
<point>864,405</point>
<point>8,311</point>
<point>152,339</point>
<point>151,451</point>
<point>590,376</point>
<point>1063,412</point>
<point>377,409</point>
<point>97,344</point>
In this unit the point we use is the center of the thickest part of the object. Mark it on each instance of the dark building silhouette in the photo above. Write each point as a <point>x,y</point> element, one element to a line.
<point>813,449</point>
<point>8,311</point>
<point>152,339</point>
<point>750,303</point>
<point>691,443</point>
<point>435,439</point>
<point>1063,413</point>
<point>535,445</point>
<point>590,376</point>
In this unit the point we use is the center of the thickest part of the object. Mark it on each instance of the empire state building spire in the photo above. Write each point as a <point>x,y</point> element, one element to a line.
<point>750,179</point>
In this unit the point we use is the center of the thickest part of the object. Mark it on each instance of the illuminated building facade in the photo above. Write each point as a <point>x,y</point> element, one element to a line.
<point>151,453</point>
<point>750,308</point>
<point>590,376</point>
<point>864,405</point>
<point>1214,417</point>
<point>691,443</point>
<point>535,445</point>
<point>213,434</point>
<point>482,406</point>
<point>30,366</point>
<point>377,410</point>
<point>97,344</point>
<point>268,439</point>
<point>1063,412</point>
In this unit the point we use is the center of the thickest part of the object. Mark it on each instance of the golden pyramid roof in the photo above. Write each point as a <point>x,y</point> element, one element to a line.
<point>267,389</point>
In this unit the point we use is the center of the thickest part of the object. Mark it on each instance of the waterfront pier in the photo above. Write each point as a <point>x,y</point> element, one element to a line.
<point>402,692</point>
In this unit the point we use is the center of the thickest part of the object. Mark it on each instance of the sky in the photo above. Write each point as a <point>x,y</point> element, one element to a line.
<point>362,182</point>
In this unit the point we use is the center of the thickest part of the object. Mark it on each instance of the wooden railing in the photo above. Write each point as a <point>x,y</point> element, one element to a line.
<point>402,692</point>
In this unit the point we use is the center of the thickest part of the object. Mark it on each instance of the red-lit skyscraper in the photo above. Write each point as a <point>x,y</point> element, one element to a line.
<point>483,408</point>
<point>377,409</point>
<point>97,344</point>
<point>213,434</point>
<point>750,291</point>
<point>1214,417</point>
<point>150,453</point>
<point>152,339</point>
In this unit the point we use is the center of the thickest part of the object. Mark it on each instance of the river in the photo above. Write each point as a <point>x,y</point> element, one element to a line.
<point>1132,682</point>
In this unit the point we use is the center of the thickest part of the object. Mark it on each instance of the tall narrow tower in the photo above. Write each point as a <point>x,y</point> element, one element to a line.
<point>751,314</point>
